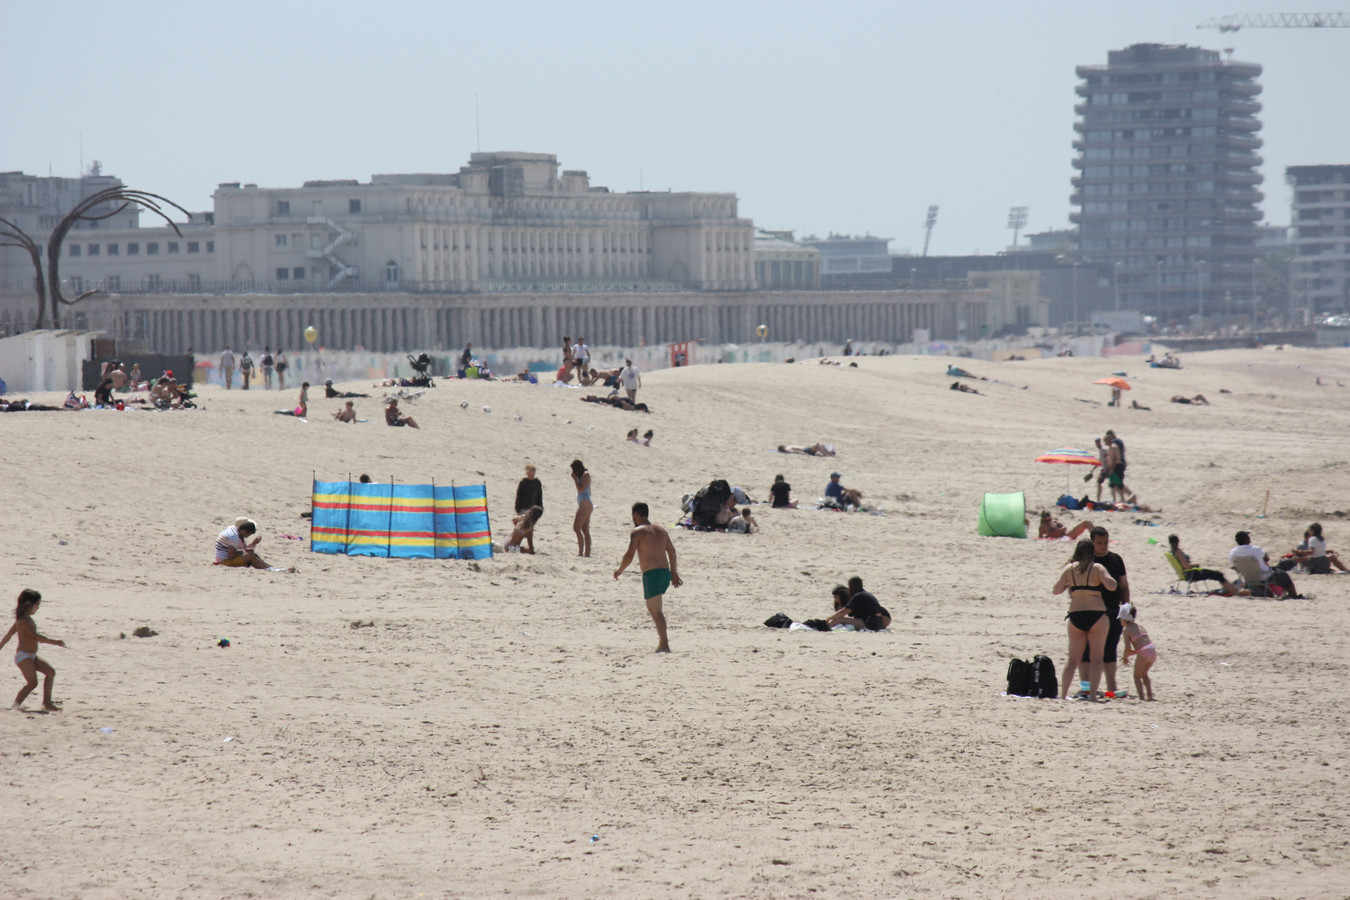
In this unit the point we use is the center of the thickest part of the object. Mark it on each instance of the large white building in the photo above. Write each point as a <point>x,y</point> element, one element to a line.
<point>1321,238</point>
<point>504,222</point>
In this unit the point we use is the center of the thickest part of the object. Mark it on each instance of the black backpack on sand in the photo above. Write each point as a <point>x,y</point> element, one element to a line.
<point>1033,679</point>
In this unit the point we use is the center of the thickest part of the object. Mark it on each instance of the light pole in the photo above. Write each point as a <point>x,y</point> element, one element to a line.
<point>1075,297</point>
<point>912,272</point>
<point>1254,264</point>
<point>1200,290</point>
<point>1157,281</point>
<point>1115,270</point>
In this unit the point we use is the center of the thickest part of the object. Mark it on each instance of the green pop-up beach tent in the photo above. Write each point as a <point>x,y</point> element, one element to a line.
<point>1003,515</point>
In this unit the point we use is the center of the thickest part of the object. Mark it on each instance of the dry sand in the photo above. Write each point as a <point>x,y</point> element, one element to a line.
<point>495,717</point>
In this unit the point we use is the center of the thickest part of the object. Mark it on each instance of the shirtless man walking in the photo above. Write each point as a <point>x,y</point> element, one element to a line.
<point>654,551</point>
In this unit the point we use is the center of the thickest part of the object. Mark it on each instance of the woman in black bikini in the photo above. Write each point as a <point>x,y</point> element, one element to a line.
<point>1088,623</point>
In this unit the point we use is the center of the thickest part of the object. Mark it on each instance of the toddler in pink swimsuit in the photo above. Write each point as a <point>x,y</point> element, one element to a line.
<point>1138,642</point>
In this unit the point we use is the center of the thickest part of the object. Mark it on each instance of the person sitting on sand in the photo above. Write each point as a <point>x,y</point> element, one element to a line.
<point>1279,577</point>
<point>235,550</point>
<point>346,414</point>
<point>1315,557</point>
<point>103,393</point>
<point>743,523</point>
<point>841,495</point>
<point>647,438</point>
<point>393,417</point>
<point>632,435</point>
<point>1135,404</point>
<point>857,607</point>
<point>1198,398</point>
<point>119,377</point>
<point>816,449</point>
<point>523,532</point>
<point>135,378</point>
<point>1053,529</point>
<point>302,404</point>
<point>1194,573</point>
<point>964,388</point>
<point>781,493</point>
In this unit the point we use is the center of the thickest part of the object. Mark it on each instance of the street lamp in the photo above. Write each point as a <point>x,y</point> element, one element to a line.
<point>1200,290</point>
<point>1075,296</point>
<point>912,272</point>
<point>1254,264</point>
<point>1116,282</point>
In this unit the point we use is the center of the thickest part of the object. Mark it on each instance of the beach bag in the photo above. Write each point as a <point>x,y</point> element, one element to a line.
<point>1019,677</point>
<point>1068,502</point>
<point>1044,682</point>
<point>778,620</point>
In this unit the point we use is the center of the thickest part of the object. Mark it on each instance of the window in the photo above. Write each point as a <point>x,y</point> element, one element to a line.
<point>194,282</point>
<point>194,247</point>
<point>280,239</point>
<point>76,284</point>
<point>283,207</point>
<point>114,282</point>
<point>283,274</point>
<point>93,249</point>
<point>299,273</point>
<point>133,249</point>
<point>391,272</point>
<point>210,246</point>
<point>353,206</point>
<point>173,246</point>
<point>153,282</point>
<point>152,249</point>
<point>114,249</point>
<point>74,249</point>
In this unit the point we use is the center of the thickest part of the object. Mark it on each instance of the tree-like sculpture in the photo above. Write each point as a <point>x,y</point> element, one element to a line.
<point>12,235</point>
<point>126,196</point>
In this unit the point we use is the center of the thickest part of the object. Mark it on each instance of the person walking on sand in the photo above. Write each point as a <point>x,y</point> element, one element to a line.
<point>26,658</point>
<point>227,368</point>
<point>282,366</point>
<point>1146,654</point>
<point>581,524</point>
<point>1115,465</point>
<point>246,368</point>
<point>269,366</point>
<point>656,557</point>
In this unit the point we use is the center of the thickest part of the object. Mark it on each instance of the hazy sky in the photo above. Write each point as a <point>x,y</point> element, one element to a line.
<point>847,117</point>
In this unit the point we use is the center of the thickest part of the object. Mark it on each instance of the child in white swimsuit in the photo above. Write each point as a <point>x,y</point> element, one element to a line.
<point>1138,641</point>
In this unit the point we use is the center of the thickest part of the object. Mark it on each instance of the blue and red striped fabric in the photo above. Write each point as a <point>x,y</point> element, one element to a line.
<point>407,521</point>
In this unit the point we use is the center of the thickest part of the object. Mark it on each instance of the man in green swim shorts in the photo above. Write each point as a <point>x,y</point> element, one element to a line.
<point>656,556</point>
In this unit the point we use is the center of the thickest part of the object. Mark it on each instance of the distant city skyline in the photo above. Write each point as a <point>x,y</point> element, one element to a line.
<point>846,120</point>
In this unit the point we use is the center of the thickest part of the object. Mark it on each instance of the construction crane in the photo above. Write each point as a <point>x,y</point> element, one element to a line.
<point>1278,20</point>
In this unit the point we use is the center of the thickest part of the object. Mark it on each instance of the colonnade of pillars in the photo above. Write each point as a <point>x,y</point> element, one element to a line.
<point>385,328</point>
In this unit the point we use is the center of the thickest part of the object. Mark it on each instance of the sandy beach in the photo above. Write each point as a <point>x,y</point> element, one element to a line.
<point>504,728</point>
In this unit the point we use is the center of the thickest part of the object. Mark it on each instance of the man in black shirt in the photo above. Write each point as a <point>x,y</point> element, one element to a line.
<point>855,606</point>
<point>1101,545</point>
<point>530,492</point>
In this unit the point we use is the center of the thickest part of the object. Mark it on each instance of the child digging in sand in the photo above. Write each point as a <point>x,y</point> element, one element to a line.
<point>1137,640</point>
<point>26,658</point>
<point>524,530</point>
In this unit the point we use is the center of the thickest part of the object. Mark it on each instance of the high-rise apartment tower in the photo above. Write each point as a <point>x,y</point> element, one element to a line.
<point>1166,188</point>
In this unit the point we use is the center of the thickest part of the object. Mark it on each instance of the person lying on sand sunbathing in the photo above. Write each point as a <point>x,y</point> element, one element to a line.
<point>1054,529</point>
<point>964,388</point>
<point>1198,398</point>
<point>331,392</point>
<point>816,449</point>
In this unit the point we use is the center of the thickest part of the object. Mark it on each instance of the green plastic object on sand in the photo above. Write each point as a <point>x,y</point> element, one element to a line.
<point>1003,515</point>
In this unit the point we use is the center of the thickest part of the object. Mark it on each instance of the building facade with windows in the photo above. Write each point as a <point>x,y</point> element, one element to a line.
<point>1167,140</point>
<point>1320,238</point>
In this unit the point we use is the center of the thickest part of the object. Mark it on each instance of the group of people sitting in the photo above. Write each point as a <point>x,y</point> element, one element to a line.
<point>643,441</point>
<point>1167,362</point>
<point>1258,577</point>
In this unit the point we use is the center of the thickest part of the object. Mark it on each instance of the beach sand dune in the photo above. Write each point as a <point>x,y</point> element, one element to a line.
<point>395,728</point>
